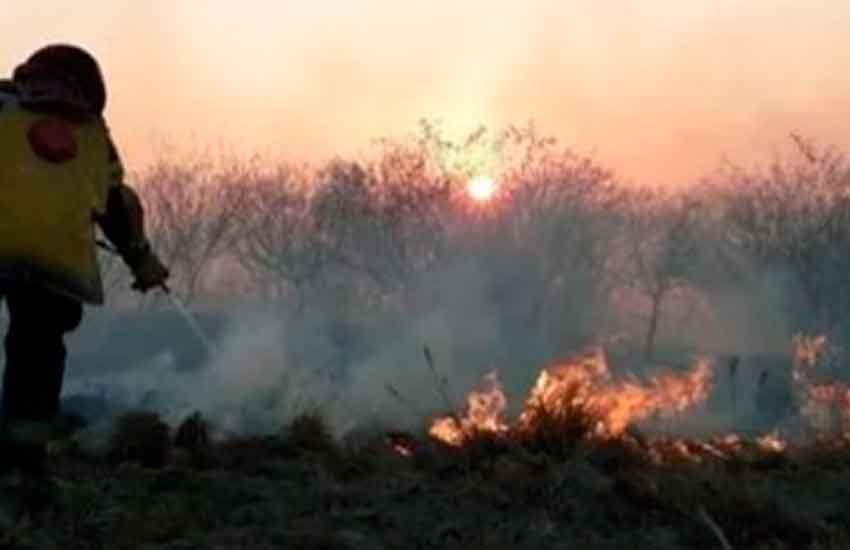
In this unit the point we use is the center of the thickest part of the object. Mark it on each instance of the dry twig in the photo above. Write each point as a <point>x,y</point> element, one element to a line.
<point>715,528</point>
<point>442,383</point>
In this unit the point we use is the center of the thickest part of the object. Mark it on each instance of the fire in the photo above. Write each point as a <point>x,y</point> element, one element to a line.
<point>485,409</point>
<point>587,385</point>
<point>772,442</point>
<point>826,407</point>
<point>401,443</point>
<point>824,404</point>
<point>718,448</point>
<point>806,350</point>
<point>403,450</point>
<point>581,397</point>
<point>584,387</point>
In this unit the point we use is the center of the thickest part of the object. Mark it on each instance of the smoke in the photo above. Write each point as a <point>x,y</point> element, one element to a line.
<point>365,371</point>
<point>570,261</point>
<point>245,384</point>
<point>458,326</point>
<point>272,365</point>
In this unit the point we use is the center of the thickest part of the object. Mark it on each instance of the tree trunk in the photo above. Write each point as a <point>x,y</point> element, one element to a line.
<point>654,318</point>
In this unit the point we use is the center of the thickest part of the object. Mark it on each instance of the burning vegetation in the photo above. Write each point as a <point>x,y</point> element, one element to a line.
<point>580,399</point>
<point>581,387</point>
<point>595,453</point>
<point>590,458</point>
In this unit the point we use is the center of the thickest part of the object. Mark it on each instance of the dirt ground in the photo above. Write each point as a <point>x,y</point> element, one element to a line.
<point>301,490</point>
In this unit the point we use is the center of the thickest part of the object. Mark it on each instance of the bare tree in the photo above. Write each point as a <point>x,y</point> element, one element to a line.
<point>566,212</point>
<point>379,221</point>
<point>279,248</point>
<point>195,215</point>
<point>793,218</point>
<point>662,243</point>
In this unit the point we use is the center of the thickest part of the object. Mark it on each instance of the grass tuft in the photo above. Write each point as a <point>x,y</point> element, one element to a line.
<point>140,437</point>
<point>309,431</point>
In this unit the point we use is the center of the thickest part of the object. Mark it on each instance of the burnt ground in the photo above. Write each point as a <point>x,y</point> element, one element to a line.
<point>301,490</point>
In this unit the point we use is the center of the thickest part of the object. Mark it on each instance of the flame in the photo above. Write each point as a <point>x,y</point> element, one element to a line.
<point>485,409</point>
<point>663,451</point>
<point>772,442</point>
<point>402,444</point>
<point>583,391</point>
<point>584,387</point>
<point>806,351</point>
<point>667,451</point>
<point>403,450</point>
<point>825,405</point>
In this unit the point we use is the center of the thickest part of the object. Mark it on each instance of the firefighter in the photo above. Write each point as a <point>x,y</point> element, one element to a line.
<point>60,177</point>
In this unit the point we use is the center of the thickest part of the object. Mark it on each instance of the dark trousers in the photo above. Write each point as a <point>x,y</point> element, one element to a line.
<point>35,351</point>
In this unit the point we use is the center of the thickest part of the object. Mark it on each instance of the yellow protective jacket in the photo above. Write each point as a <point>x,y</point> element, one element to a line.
<point>51,190</point>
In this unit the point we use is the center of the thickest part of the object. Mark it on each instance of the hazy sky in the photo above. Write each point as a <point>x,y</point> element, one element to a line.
<point>660,89</point>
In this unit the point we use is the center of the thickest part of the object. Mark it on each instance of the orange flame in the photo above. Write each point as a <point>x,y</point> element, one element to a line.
<point>582,385</point>
<point>824,404</point>
<point>587,385</point>
<point>772,443</point>
<point>485,409</point>
<point>585,388</point>
<point>402,444</point>
<point>806,350</point>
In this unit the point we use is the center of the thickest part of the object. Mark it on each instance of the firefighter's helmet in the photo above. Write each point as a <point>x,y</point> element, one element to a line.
<point>64,75</point>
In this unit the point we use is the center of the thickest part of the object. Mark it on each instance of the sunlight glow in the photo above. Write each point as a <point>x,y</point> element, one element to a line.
<point>481,188</point>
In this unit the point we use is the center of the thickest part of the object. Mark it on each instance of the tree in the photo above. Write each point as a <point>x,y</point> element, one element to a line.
<point>566,211</point>
<point>792,217</point>
<point>195,215</point>
<point>379,222</point>
<point>279,248</point>
<point>662,240</point>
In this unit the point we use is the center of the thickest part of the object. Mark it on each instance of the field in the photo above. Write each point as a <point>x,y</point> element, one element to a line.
<point>300,489</point>
<point>592,461</point>
<point>321,426</point>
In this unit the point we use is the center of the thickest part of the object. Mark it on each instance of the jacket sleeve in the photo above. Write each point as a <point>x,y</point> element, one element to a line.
<point>123,221</point>
<point>8,87</point>
<point>8,92</point>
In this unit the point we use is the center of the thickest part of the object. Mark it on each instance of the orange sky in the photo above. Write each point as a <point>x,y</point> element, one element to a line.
<point>660,89</point>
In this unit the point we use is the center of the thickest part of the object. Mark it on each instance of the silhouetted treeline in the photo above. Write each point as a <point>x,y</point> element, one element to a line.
<point>565,254</point>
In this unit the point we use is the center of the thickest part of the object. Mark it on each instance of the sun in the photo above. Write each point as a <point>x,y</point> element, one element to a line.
<point>481,188</point>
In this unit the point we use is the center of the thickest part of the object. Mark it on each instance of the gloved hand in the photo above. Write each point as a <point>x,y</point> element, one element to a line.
<point>150,273</point>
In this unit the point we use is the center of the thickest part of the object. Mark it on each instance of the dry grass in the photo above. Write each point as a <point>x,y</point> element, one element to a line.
<point>556,431</point>
<point>194,442</point>
<point>140,437</point>
<point>299,489</point>
<point>308,431</point>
